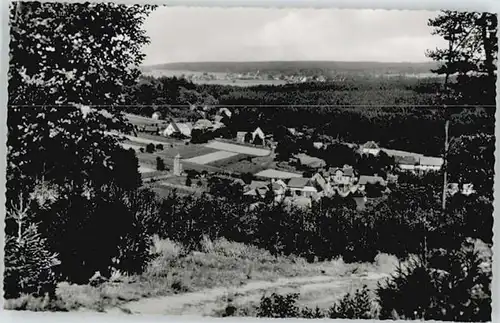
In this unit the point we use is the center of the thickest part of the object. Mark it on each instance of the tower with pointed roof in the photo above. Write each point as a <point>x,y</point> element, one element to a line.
<point>177,165</point>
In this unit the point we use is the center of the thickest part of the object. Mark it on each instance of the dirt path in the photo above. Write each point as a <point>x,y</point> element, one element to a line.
<point>205,302</point>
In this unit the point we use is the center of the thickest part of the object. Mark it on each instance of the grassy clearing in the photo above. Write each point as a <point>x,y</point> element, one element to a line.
<point>221,264</point>
<point>225,162</point>
<point>143,121</point>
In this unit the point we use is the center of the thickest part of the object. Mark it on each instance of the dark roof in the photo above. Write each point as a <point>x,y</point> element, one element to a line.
<point>258,184</point>
<point>406,160</point>
<point>365,179</point>
<point>348,171</point>
<point>298,182</point>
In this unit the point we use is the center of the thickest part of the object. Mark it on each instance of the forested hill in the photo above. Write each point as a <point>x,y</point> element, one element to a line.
<point>294,66</point>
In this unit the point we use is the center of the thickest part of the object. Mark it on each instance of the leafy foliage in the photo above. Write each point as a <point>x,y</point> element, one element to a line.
<point>353,306</point>
<point>29,265</point>
<point>65,53</point>
<point>471,55</point>
<point>453,290</point>
<point>60,157</point>
<point>279,306</point>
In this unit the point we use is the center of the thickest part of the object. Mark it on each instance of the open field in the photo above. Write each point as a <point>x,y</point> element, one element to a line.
<point>145,169</point>
<point>273,173</point>
<point>211,157</point>
<point>238,148</point>
<point>241,83</point>
<point>143,121</point>
<point>130,145</point>
<point>141,140</point>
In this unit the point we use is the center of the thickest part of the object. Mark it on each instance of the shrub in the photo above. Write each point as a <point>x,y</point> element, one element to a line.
<point>279,306</point>
<point>29,265</point>
<point>308,313</point>
<point>150,148</point>
<point>457,290</point>
<point>159,147</point>
<point>36,304</point>
<point>357,306</point>
<point>247,177</point>
<point>160,164</point>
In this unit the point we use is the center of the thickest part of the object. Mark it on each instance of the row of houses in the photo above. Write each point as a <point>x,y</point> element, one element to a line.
<point>341,182</point>
<point>405,160</point>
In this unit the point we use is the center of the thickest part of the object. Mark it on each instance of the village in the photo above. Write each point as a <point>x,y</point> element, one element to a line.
<point>172,156</point>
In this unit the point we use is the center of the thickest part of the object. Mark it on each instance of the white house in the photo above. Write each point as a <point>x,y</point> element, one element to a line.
<point>318,145</point>
<point>182,128</point>
<point>225,112</point>
<point>240,136</point>
<point>279,188</point>
<point>156,116</point>
<point>258,133</point>
<point>429,163</point>
<point>371,148</point>
<point>203,124</point>
<point>323,187</point>
<point>343,176</point>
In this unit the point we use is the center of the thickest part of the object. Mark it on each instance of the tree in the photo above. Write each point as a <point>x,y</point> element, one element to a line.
<point>457,289</point>
<point>160,164</point>
<point>65,53</point>
<point>29,265</point>
<point>150,148</point>
<point>471,56</point>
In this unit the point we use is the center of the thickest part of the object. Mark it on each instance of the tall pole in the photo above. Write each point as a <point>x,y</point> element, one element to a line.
<point>445,163</point>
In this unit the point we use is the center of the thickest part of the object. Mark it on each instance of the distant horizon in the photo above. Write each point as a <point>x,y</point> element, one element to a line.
<point>290,61</point>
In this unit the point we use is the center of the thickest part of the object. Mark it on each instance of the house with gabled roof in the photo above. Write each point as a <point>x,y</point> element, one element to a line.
<point>430,163</point>
<point>256,189</point>
<point>300,186</point>
<point>225,112</point>
<point>279,188</point>
<point>258,133</point>
<point>370,179</point>
<point>156,116</point>
<point>406,163</point>
<point>343,176</point>
<point>322,186</point>
<point>177,127</point>
<point>371,148</point>
<point>203,124</point>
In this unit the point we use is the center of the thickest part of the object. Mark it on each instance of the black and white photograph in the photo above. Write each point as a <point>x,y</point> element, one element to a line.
<point>250,162</point>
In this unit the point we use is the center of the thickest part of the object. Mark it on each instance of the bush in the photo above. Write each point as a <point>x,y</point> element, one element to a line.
<point>150,148</point>
<point>29,265</point>
<point>160,164</point>
<point>159,147</point>
<point>141,150</point>
<point>247,177</point>
<point>279,306</point>
<point>457,290</point>
<point>357,306</point>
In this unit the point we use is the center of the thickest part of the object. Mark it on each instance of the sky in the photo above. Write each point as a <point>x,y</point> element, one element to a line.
<point>183,34</point>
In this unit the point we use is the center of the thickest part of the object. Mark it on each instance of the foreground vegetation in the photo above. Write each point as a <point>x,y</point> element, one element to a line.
<point>68,183</point>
